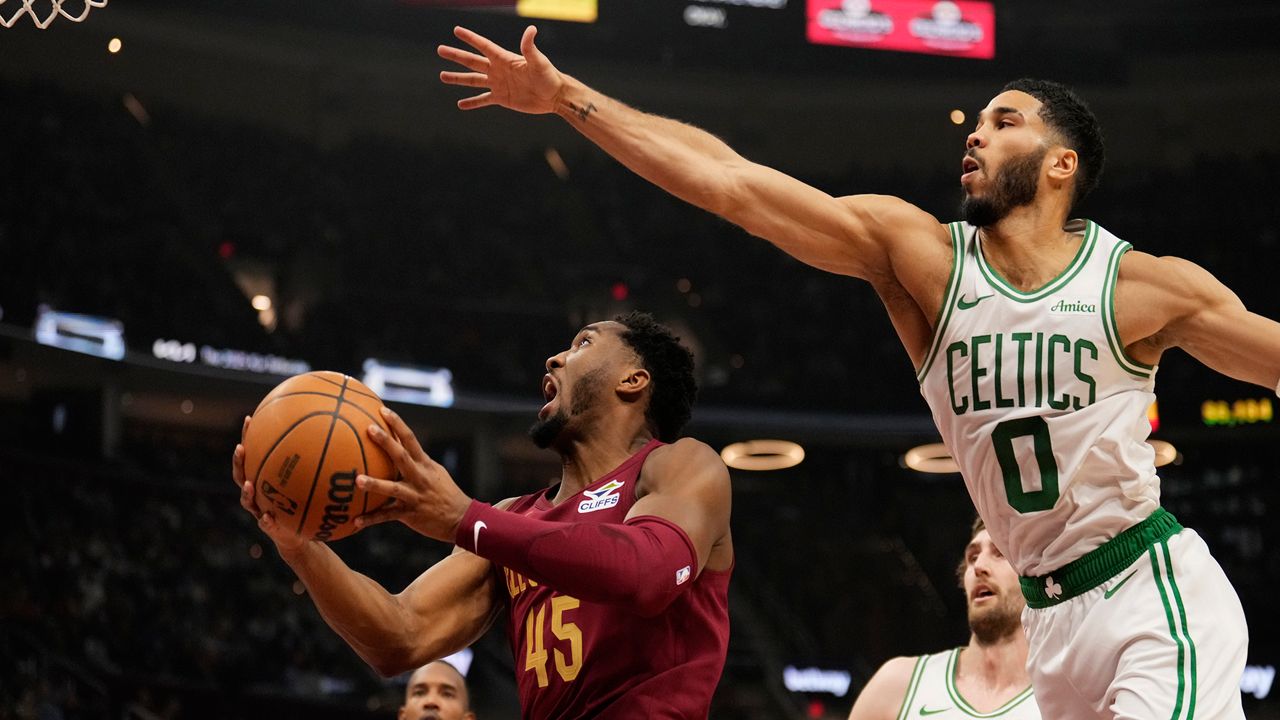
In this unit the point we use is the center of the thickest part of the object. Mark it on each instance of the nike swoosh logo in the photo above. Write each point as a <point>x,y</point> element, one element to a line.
<point>475,535</point>
<point>1107,595</point>
<point>927,711</point>
<point>965,304</point>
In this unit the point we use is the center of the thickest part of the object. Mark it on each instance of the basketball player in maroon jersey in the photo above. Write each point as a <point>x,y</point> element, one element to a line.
<point>614,581</point>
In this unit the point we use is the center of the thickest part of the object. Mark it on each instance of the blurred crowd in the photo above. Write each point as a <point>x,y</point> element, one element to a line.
<point>484,262</point>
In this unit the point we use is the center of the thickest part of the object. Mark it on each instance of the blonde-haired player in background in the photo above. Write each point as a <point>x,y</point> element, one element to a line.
<point>1035,339</point>
<point>987,677</point>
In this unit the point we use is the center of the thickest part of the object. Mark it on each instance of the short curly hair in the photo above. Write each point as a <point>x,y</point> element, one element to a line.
<point>670,365</point>
<point>1068,115</point>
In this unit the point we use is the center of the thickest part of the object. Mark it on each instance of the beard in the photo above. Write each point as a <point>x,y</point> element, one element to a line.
<point>991,625</point>
<point>545,431</point>
<point>1015,186</point>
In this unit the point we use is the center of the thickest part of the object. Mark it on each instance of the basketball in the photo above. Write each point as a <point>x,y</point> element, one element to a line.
<point>304,448</point>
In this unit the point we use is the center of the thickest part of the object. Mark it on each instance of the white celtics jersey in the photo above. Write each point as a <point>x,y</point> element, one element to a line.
<point>933,693</point>
<point>1039,404</point>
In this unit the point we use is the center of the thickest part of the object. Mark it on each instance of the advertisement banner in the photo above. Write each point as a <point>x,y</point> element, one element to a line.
<point>959,28</point>
<point>572,10</point>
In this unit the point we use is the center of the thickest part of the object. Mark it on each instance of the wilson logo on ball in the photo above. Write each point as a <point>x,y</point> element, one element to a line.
<point>342,489</point>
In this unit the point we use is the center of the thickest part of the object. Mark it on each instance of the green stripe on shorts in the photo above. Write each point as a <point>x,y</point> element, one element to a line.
<point>1174,631</point>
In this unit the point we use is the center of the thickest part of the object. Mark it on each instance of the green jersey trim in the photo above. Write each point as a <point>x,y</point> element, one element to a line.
<point>1128,364</point>
<point>1076,265</point>
<point>953,667</point>
<point>912,687</point>
<point>948,299</point>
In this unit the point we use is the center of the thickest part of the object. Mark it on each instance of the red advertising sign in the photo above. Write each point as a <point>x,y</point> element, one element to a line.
<point>961,28</point>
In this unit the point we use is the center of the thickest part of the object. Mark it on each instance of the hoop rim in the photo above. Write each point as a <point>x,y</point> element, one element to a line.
<point>55,10</point>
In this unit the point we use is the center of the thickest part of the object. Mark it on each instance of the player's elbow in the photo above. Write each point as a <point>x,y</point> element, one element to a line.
<point>726,191</point>
<point>386,663</point>
<point>390,658</point>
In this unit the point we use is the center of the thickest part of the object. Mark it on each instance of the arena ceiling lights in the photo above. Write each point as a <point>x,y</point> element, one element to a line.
<point>931,458</point>
<point>936,458</point>
<point>762,455</point>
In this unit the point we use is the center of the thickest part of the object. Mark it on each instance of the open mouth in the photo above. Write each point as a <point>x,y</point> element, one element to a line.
<point>968,167</point>
<point>549,392</point>
<point>982,591</point>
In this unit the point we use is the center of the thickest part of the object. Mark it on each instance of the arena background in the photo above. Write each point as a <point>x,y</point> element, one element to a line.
<point>306,152</point>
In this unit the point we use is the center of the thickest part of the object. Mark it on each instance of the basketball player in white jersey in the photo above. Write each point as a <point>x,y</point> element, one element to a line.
<point>1036,341</point>
<point>986,678</point>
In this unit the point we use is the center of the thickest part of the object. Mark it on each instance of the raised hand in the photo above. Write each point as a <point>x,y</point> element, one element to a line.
<point>426,497</point>
<point>285,540</point>
<point>527,83</point>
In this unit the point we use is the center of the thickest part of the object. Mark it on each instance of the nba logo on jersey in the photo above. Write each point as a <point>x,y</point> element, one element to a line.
<point>682,575</point>
<point>602,499</point>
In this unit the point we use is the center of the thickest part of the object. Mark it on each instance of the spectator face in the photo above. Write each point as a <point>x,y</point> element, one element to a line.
<point>436,692</point>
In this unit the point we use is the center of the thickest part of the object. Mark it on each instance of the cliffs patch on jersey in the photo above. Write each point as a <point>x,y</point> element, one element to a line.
<point>602,498</point>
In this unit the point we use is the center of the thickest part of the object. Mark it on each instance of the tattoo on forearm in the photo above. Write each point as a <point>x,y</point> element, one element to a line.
<point>582,112</point>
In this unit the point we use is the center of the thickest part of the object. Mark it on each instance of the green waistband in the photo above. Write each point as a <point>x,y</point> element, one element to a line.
<point>1101,564</point>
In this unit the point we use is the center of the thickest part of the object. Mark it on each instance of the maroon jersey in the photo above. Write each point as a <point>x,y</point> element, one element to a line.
<point>578,659</point>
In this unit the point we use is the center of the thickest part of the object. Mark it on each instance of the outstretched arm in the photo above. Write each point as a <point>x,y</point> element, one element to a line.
<point>850,236</point>
<point>445,609</point>
<point>1175,303</point>
<point>643,564</point>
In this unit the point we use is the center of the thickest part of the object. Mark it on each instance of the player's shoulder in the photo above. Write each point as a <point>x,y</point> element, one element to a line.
<point>897,671</point>
<point>1179,276</point>
<point>883,695</point>
<point>686,450</point>
<point>899,218</point>
<point>683,459</point>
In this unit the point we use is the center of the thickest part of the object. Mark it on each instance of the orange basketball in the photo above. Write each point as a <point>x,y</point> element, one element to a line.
<point>304,448</point>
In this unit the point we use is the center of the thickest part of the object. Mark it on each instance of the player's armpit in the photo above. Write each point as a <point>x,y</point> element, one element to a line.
<point>882,697</point>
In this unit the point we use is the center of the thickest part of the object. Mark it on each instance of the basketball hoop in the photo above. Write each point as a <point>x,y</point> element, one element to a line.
<point>29,7</point>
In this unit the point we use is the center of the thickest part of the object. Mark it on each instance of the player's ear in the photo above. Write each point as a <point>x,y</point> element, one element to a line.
<point>634,383</point>
<point>1065,164</point>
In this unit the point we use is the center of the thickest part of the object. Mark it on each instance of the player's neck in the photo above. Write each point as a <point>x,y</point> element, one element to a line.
<point>1029,246</point>
<point>588,458</point>
<point>1001,665</point>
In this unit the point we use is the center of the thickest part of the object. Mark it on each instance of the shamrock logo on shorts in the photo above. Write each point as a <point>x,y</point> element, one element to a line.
<point>1052,589</point>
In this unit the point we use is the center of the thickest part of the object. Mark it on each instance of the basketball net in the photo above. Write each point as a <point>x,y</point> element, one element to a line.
<point>28,7</point>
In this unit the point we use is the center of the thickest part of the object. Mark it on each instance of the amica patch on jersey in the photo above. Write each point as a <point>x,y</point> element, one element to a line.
<point>1063,306</point>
